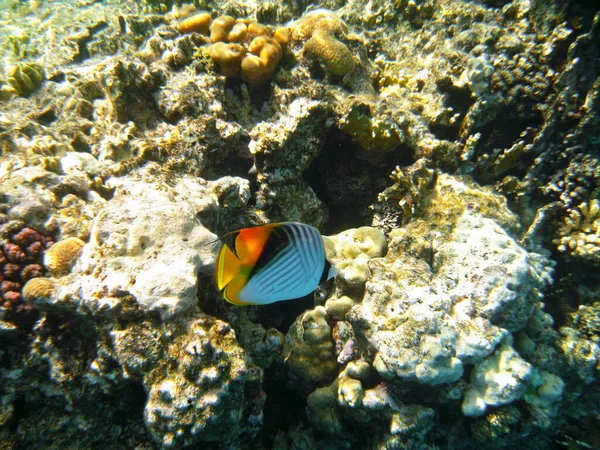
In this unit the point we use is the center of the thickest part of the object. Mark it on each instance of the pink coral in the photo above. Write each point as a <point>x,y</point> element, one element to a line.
<point>35,250</point>
<point>11,271</point>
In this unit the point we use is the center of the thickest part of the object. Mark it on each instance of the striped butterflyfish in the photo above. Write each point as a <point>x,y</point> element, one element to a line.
<point>271,263</point>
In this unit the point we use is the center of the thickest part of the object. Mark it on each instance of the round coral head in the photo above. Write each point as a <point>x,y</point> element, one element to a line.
<point>198,23</point>
<point>220,28</point>
<point>228,57</point>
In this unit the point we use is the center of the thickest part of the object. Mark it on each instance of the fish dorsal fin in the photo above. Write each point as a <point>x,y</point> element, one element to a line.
<point>250,243</point>
<point>229,240</point>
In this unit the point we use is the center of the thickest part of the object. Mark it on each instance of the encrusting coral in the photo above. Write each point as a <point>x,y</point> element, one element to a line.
<point>308,349</point>
<point>210,374</point>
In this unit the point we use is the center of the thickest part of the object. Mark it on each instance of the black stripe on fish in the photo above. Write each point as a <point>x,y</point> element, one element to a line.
<point>276,243</point>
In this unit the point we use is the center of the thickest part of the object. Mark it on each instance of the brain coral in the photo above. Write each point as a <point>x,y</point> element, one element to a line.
<point>62,255</point>
<point>323,29</point>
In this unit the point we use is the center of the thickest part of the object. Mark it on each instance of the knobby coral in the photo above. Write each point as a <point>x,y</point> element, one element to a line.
<point>240,47</point>
<point>20,260</point>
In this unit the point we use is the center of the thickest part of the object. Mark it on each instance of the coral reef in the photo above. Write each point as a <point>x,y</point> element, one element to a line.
<point>149,243</point>
<point>579,236</point>
<point>308,349</point>
<point>445,317</point>
<point>499,380</point>
<point>211,376</point>
<point>447,149</point>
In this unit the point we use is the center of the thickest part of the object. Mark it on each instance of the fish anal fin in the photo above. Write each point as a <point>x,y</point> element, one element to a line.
<point>227,266</point>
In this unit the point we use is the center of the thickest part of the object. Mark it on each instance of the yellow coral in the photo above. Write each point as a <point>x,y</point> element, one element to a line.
<point>246,48</point>
<point>220,28</point>
<point>61,257</point>
<point>256,29</point>
<point>199,23</point>
<point>229,57</point>
<point>258,67</point>
<point>580,234</point>
<point>25,78</point>
<point>239,33</point>
<point>322,28</point>
<point>38,290</point>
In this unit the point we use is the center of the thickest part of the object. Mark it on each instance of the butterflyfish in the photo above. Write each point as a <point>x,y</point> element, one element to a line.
<point>271,263</point>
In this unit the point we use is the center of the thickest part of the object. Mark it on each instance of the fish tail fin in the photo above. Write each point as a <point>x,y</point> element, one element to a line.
<point>227,266</point>
<point>332,272</point>
<point>329,272</point>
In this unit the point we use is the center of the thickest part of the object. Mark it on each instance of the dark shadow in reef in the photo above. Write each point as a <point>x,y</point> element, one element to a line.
<point>348,179</point>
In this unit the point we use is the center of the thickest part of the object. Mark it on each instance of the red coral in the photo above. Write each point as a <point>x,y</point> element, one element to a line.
<point>20,260</point>
<point>12,271</point>
<point>12,297</point>
<point>26,236</point>
<point>10,286</point>
<point>35,250</point>
<point>32,271</point>
<point>48,241</point>
<point>14,253</point>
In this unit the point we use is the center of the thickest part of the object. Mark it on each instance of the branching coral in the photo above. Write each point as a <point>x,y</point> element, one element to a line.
<point>579,236</point>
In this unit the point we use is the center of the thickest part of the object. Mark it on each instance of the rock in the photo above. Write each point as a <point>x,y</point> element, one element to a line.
<point>499,380</point>
<point>447,292</point>
<point>210,388</point>
<point>147,241</point>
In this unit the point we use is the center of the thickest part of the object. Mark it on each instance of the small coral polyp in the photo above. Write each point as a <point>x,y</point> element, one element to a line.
<point>240,47</point>
<point>21,257</point>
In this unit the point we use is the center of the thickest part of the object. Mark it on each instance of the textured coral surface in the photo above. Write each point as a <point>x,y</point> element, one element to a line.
<point>448,151</point>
